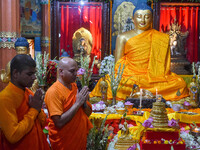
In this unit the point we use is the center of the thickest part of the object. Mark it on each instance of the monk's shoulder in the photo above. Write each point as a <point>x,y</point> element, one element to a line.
<point>6,97</point>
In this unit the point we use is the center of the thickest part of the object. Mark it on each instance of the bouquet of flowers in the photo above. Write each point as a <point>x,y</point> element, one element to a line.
<point>107,60</point>
<point>108,67</point>
<point>98,137</point>
<point>52,72</point>
<point>85,72</point>
<point>41,67</point>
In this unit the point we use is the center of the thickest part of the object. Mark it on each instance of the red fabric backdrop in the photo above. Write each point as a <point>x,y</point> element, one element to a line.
<point>74,16</point>
<point>187,17</point>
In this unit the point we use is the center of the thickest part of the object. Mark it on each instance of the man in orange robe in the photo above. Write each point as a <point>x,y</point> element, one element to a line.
<point>146,55</point>
<point>21,118</point>
<point>68,110</point>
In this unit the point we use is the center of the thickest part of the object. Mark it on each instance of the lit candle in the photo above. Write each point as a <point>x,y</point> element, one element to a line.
<point>140,98</point>
<point>156,93</point>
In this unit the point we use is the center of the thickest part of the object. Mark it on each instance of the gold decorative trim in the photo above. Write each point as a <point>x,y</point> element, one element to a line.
<point>45,41</point>
<point>9,34</point>
<point>9,45</point>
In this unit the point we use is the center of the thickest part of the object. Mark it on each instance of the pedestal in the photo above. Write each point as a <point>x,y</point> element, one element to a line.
<point>180,65</point>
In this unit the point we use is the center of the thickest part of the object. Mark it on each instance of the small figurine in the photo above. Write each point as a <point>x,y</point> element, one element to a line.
<point>193,91</point>
<point>125,134</point>
<point>103,89</point>
<point>136,92</point>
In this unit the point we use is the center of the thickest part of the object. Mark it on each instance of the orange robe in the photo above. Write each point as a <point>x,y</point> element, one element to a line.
<point>20,125</point>
<point>73,135</point>
<point>147,61</point>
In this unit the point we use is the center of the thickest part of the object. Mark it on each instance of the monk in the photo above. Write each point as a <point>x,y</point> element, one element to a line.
<point>146,55</point>
<point>21,119</point>
<point>68,109</point>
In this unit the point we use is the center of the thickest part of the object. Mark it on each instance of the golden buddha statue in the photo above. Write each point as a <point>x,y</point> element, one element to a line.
<point>193,91</point>
<point>21,47</point>
<point>125,140</point>
<point>146,55</point>
<point>82,43</point>
<point>136,93</point>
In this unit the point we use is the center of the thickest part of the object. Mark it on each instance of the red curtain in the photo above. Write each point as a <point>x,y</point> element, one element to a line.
<point>74,16</point>
<point>187,17</point>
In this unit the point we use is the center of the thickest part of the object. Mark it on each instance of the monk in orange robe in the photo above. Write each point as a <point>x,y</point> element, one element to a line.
<point>146,55</point>
<point>68,109</point>
<point>21,119</point>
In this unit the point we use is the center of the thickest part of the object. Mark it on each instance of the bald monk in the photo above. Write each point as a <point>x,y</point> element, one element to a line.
<point>146,55</point>
<point>68,109</point>
<point>21,119</point>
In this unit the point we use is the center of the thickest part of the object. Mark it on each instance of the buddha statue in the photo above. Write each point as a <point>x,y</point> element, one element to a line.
<point>193,91</point>
<point>125,140</point>
<point>136,93</point>
<point>82,43</point>
<point>146,55</point>
<point>21,47</point>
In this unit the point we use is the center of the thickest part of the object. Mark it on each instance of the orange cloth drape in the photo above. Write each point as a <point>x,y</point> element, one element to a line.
<point>20,125</point>
<point>73,135</point>
<point>147,64</point>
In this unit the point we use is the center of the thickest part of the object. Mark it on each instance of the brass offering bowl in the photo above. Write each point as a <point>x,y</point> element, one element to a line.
<point>120,111</point>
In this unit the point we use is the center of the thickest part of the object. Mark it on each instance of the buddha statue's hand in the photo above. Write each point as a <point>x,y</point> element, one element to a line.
<point>36,101</point>
<point>4,76</point>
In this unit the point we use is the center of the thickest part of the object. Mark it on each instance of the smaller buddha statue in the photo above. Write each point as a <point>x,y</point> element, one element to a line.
<point>103,88</point>
<point>82,44</point>
<point>136,93</point>
<point>125,134</point>
<point>193,91</point>
<point>125,140</point>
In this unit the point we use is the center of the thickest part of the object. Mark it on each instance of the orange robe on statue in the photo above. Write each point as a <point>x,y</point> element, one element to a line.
<point>73,135</point>
<point>147,61</point>
<point>20,125</point>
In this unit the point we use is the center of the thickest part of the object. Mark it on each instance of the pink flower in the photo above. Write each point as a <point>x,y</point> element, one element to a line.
<point>186,103</point>
<point>132,147</point>
<point>172,123</point>
<point>81,71</point>
<point>128,103</point>
<point>147,123</point>
<point>130,125</point>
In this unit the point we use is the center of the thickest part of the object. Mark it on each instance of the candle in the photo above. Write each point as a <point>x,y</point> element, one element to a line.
<point>140,98</point>
<point>156,93</point>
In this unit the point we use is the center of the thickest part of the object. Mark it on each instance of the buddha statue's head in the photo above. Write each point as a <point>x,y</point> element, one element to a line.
<point>143,15</point>
<point>22,46</point>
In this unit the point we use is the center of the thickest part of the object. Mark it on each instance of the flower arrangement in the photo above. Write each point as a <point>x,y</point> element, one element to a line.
<point>108,67</point>
<point>52,72</point>
<point>98,137</point>
<point>85,72</point>
<point>41,67</point>
<point>103,68</point>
